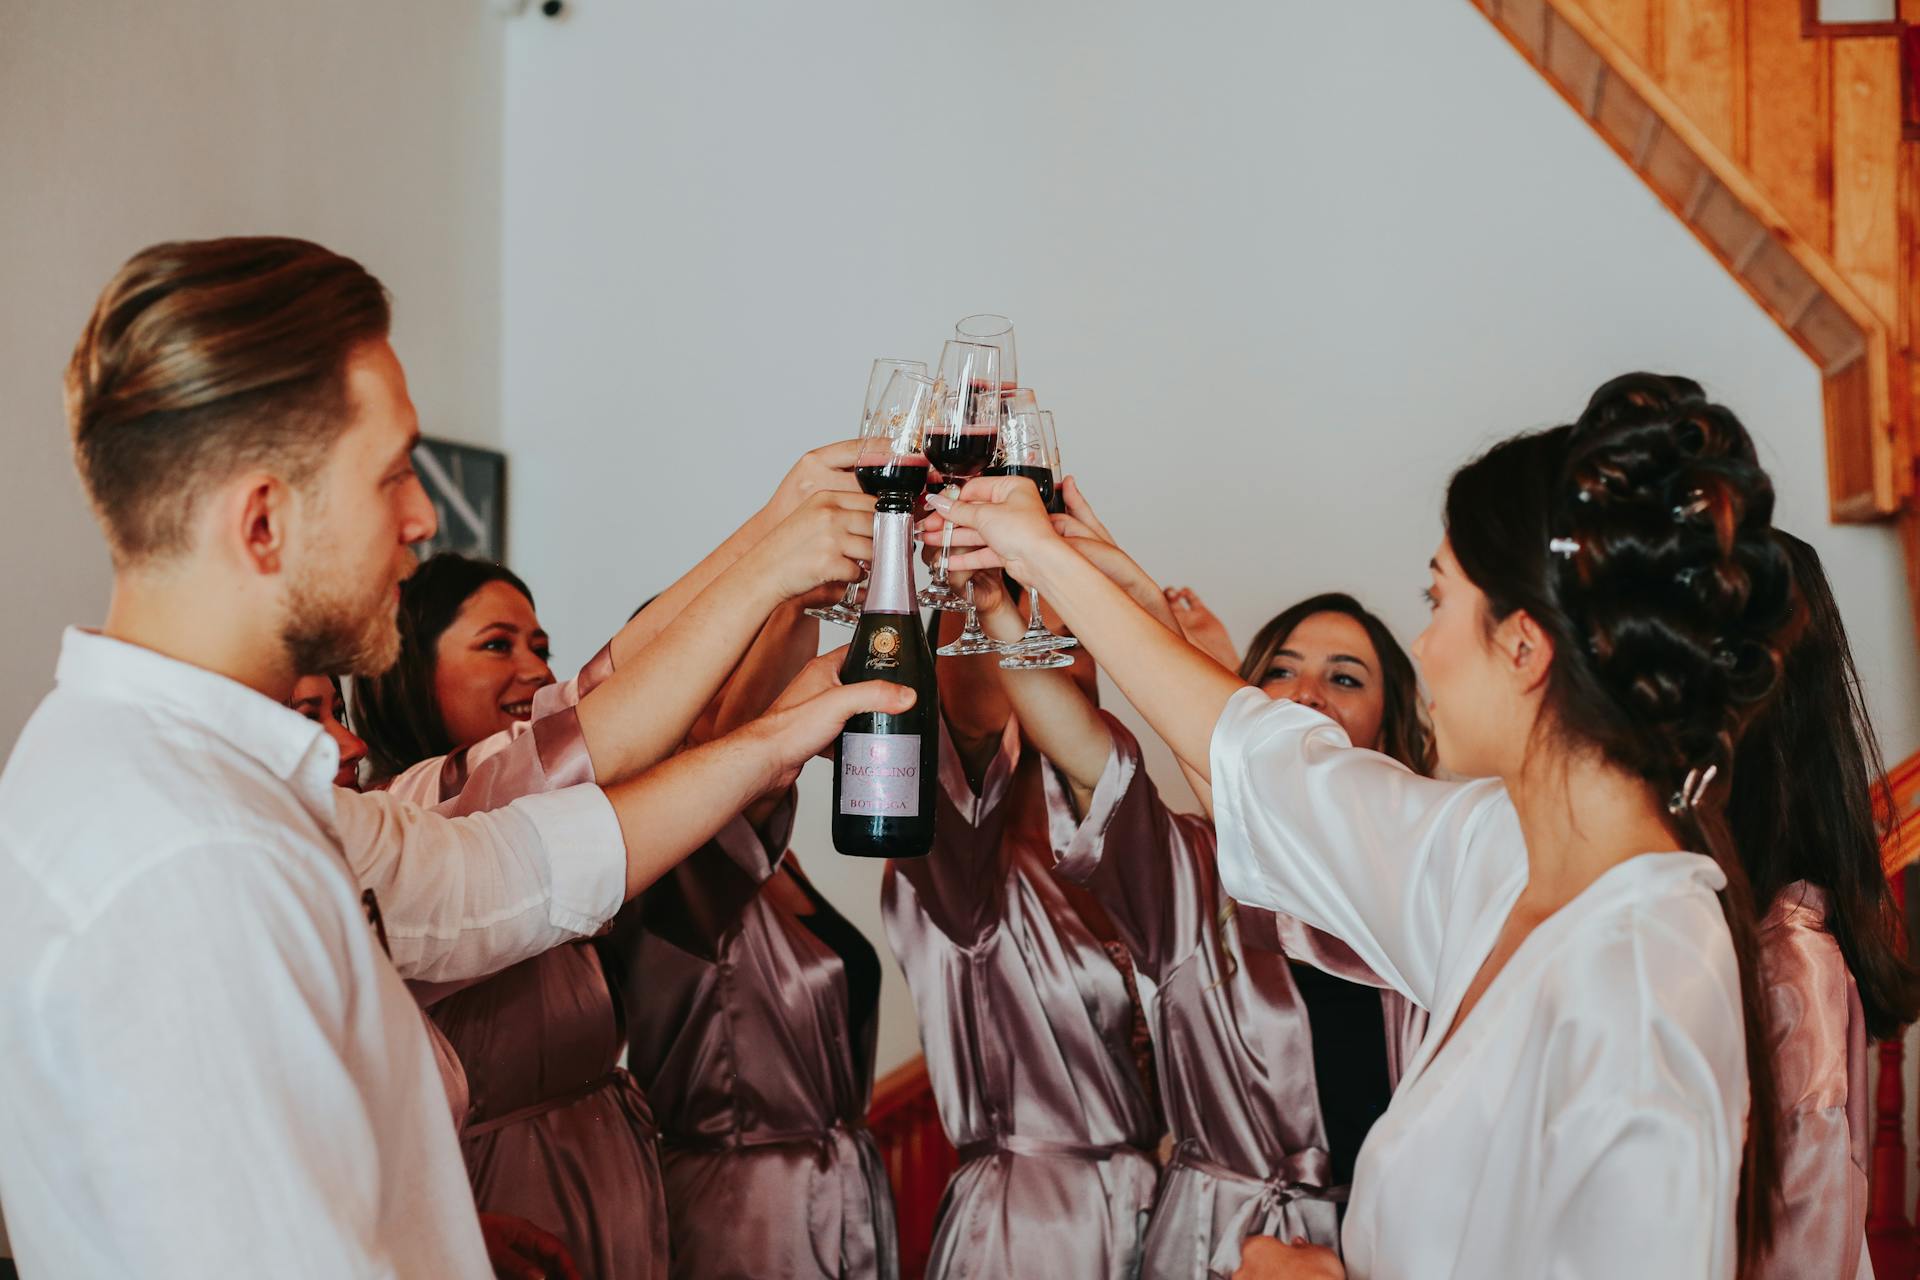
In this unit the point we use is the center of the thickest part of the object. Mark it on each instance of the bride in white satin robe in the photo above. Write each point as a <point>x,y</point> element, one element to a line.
<point>1587,1120</point>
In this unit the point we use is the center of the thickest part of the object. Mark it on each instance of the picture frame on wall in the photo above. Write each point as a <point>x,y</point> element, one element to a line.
<point>468,487</point>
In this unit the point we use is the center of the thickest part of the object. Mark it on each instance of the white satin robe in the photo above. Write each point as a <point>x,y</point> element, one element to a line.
<point>1586,1120</point>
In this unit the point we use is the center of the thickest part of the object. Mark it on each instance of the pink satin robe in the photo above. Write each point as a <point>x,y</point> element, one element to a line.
<point>742,1031</point>
<point>1231,1028</point>
<point>1027,1025</point>
<point>555,1132</point>
<point>1820,1070</point>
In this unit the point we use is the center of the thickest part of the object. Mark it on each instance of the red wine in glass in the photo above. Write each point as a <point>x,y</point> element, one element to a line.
<point>880,474</point>
<point>1042,478</point>
<point>963,454</point>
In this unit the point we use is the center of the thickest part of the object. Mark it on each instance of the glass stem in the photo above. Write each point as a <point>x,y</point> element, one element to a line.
<point>1033,617</point>
<point>946,540</point>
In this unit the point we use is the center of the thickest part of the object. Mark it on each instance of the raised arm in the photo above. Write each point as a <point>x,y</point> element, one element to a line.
<point>645,709</point>
<point>467,896</point>
<point>828,469</point>
<point>1179,690</point>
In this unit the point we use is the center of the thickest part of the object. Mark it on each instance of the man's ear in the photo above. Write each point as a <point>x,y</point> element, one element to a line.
<point>258,517</point>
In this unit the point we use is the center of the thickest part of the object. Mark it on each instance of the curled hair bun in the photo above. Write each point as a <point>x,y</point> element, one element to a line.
<point>1677,584</point>
<point>1640,539</point>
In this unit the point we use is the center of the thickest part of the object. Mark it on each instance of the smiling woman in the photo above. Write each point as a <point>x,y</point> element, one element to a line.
<point>471,655</point>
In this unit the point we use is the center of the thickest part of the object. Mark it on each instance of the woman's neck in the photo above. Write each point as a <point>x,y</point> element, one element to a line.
<point>1581,817</point>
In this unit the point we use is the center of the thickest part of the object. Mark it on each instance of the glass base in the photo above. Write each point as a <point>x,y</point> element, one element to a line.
<point>1051,661</point>
<point>1041,642</point>
<point>943,598</point>
<point>965,645</point>
<point>837,614</point>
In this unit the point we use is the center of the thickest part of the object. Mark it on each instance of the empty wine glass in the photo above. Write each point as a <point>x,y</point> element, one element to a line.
<point>1028,448</point>
<point>960,441</point>
<point>992,330</point>
<point>842,612</point>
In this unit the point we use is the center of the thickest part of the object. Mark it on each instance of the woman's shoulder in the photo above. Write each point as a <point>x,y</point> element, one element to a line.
<point>1643,989</point>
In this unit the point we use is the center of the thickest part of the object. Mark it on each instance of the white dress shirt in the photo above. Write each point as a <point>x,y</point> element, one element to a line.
<point>1586,1120</point>
<point>209,1065</point>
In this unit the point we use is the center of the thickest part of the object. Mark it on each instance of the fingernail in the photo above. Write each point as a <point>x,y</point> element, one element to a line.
<point>940,502</point>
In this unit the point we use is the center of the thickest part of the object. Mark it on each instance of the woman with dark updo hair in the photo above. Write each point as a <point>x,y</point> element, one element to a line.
<point>1808,779</point>
<point>1609,605</point>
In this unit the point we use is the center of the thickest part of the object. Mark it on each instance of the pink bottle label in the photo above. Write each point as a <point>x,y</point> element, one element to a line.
<point>880,775</point>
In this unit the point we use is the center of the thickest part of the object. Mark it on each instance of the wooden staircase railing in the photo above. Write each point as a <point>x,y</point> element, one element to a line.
<point>919,1159</point>
<point>1783,156</point>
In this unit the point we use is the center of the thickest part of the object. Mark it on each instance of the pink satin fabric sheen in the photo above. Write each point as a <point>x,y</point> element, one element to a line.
<point>1231,1030</point>
<point>1027,1027</point>
<point>743,1035</point>
<point>556,1133</point>
<point>1820,1069</point>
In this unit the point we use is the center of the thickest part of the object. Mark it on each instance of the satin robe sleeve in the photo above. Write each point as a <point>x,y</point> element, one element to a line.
<point>698,903</point>
<point>1154,872</point>
<point>958,884</point>
<point>1353,842</point>
<point>1820,1073</point>
<point>471,895</point>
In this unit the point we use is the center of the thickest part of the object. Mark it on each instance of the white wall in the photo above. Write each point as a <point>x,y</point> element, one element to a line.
<point>1278,267</point>
<point>370,126</point>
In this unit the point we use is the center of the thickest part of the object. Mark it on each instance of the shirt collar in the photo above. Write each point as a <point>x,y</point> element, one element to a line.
<point>291,746</point>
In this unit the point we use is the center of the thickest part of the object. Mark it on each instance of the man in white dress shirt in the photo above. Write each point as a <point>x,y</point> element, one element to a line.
<point>210,1065</point>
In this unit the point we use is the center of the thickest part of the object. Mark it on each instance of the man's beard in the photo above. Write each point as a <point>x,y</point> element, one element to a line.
<point>330,630</point>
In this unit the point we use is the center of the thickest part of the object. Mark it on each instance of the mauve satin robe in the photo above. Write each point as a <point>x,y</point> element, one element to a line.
<point>1231,1030</point>
<point>1820,1070</point>
<point>1027,1026</point>
<point>556,1133</point>
<point>742,1032</point>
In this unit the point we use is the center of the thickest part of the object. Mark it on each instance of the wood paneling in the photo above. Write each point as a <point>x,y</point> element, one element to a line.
<point>1866,169</point>
<point>1789,118</point>
<point>1629,22</point>
<point>1699,65</point>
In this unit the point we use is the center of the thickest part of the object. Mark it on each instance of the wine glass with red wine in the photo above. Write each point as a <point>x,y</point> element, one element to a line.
<point>843,611</point>
<point>1028,450</point>
<point>961,438</point>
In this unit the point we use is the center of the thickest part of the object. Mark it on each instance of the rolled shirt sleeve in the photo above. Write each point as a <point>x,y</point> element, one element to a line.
<point>466,896</point>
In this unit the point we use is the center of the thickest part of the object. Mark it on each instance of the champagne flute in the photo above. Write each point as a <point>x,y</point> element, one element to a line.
<point>960,441</point>
<point>842,612</point>
<point>1034,451</point>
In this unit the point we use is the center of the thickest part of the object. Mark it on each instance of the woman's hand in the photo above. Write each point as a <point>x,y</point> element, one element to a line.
<point>1264,1258</point>
<point>519,1250</point>
<point>821,543</point>
<point>1202,628</point>
<point>828,469</point>
<point>1003,518</point>
<point>808,717</point>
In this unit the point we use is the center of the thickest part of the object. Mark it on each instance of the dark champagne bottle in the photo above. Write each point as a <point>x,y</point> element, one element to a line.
<point>887,766</point>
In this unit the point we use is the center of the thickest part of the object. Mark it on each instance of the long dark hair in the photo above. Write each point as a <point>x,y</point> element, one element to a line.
<point>1404,734</point>
<point>396,712</point>
<point>1809,780</point>
<point>1640,540</point>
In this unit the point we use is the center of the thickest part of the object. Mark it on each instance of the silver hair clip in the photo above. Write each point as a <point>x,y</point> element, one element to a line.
<point>1568,547</point>
<point>1695,504</point>
<point>1687,798</point>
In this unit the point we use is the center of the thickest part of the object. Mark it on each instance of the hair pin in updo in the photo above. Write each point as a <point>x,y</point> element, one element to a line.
<point>1565,547</point>
<point>1695,504</point>
<point>1687,798</point>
